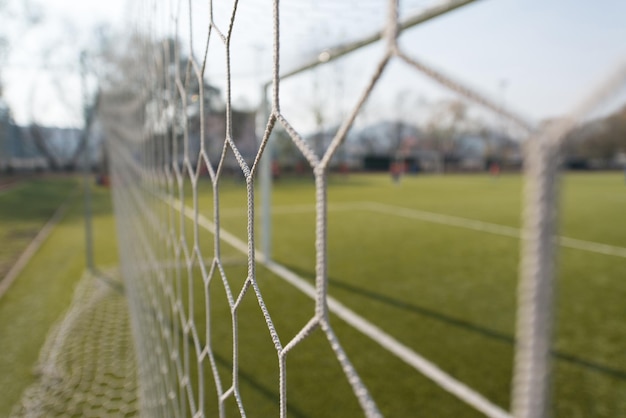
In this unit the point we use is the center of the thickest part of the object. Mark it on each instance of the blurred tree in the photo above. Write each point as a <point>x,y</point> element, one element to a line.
<point>597,141</point>
<point>16,16</point>
<point>448,118</point>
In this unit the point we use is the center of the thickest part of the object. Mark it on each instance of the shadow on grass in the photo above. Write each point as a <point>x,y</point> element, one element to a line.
<point>105,278</point>
<point>260,388</point>
<point>463,324</point>
<point>244,376</point>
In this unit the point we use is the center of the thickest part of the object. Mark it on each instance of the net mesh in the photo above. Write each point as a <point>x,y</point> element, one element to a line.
<point>173,146</point>
<point>87,367</point>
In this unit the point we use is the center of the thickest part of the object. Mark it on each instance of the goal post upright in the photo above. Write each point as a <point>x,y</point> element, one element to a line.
<point>265,177</point>
<point>87,198</point>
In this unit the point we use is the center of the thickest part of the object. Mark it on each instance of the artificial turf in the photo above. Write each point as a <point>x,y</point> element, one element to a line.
<point>447,292</point>
<point>44,288</point>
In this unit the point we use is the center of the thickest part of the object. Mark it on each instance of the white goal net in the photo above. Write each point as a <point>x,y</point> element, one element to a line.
<point>87,366</point>
<point>184,153</point>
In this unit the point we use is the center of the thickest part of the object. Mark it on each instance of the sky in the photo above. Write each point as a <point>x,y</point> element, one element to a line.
<point>539,57</point>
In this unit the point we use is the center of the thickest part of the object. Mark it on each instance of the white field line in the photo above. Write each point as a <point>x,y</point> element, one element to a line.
<point>449,220</point>
<point>578,244</point>
<point>406,354</point>
<point>32,248</point>
<point>293,209</point>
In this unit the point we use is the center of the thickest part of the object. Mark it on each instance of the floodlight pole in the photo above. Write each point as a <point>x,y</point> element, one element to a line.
<point>86,171</point>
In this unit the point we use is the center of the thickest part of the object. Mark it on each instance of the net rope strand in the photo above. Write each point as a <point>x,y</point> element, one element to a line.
<point>156,170</point>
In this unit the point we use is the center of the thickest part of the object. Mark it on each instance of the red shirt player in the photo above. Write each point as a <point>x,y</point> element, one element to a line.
<point>494,169</point>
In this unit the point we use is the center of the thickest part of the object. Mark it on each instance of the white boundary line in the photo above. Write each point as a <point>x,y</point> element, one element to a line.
<point>294,209</point>
<point>406,354</point>
<point>32,248</point>
<point>578,244</point>
<point>449,220</point>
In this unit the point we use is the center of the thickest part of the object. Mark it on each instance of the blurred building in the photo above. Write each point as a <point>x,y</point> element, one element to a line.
<point>17,151</point>
<point>375,147</point>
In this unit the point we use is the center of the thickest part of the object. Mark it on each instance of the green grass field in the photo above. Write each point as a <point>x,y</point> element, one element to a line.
<point>446,291</point>
<point>43,291</point>
<point>24,209</point>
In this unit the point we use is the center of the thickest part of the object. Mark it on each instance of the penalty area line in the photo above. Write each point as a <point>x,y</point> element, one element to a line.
<point>292,209</point>
<point>403,352</point>
<point>502,230</point>
<point>450,220</point>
